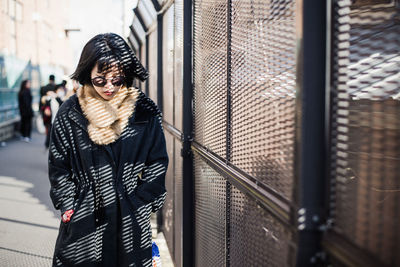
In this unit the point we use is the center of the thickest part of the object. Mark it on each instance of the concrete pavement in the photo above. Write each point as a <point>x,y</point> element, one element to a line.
<point>28,221</point>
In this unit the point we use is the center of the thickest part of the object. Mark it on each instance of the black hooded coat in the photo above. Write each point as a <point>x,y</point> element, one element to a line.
<point>112,188</point>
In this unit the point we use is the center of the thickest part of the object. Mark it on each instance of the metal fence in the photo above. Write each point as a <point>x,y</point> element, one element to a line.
<point>364,150</point>
<point>282,126</point>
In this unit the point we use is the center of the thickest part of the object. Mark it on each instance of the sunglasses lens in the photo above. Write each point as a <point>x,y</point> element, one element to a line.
<point>99,82</point>
<point>118,81</point>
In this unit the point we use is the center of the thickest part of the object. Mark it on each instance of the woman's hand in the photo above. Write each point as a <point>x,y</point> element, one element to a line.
<point>66,217</point>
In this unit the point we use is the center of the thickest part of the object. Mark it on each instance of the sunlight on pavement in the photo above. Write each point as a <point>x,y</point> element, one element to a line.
<point>28,230</point>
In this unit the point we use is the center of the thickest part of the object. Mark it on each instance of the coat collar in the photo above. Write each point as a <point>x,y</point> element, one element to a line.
<point>145,109</point>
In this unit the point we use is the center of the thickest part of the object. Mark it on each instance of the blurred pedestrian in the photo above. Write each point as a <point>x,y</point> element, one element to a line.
<point>62,87</point>
<point>51,102</point>
<point>47,114</point>
<point>25,110</point>
<point>107,161</point>
<point>51,86</point>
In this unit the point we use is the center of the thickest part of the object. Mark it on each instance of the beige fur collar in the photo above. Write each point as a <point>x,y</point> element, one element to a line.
<point>107,119</point>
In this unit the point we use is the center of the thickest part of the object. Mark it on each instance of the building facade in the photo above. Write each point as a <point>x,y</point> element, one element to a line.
<point>33,44</point>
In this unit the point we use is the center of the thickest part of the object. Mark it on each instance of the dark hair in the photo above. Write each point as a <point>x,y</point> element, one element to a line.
<point>23,86</point>
<point>106,50</point>
<point>51,77</point>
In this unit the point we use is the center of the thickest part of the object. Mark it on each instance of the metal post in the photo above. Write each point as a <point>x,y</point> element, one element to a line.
<point>311,146</point>
<point>159,82</point>
<point>228,132</point>
<point>187,110</point>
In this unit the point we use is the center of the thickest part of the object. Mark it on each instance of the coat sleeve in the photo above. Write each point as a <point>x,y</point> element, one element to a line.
<point>62,187</point>
<point>151,186</point>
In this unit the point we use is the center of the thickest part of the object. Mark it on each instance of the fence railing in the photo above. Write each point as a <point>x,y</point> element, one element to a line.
<point>281,122</point>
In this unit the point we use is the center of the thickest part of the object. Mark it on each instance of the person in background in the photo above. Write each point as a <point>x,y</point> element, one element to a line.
<point>51,86</point>
<point>63,86</point>
<point>25,110</point>
<point>51,102</point>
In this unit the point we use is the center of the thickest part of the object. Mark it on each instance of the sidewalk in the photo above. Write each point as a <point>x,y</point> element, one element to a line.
<point>28,229</point>
<point>28,222</point>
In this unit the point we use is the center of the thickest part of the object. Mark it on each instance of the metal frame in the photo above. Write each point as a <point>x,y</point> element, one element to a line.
<point>228,132</point>
<point>133,41</point>
<point>311,146</point>
<point>187,110</point>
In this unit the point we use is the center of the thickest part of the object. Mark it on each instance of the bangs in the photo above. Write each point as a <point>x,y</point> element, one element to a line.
<point>109,62</point>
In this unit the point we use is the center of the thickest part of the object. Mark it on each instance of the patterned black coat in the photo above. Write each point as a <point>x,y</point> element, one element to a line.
<point>112,188</point>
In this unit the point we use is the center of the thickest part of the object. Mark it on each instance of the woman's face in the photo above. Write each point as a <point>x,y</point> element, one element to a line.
<point>107,84</point>
<point>28,84</point>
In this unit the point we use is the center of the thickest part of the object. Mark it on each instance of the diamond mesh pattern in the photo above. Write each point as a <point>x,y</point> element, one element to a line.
<point>178,204</point>
<point>210,80</point>
<point>168,65</point>
<point>263,91</point>
<point>178,61</point>
<point>152,66</point>
<point>257,239</point>
<point>168,208</point>
<point>366,128</point>
<point>210,215</point>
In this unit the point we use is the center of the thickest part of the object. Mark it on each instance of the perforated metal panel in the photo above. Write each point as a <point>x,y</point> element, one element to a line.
<point>168,65</point>
<point>152,67</point>
<point>263,91</point>
<point>257,239</point>
<point>210,215</point>
<point>178,204</point>
<point>178,61</point>
<point>210,78</point>
<point>365,167</point>
<point>169,205</point>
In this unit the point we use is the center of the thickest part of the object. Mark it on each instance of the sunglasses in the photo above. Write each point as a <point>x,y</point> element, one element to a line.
<point>115,81</point>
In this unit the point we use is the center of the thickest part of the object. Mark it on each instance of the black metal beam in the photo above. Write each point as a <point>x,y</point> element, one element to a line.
<point>310,154</point>
<point>228,132</point>
<point>147,64</point>
<point>187,113</point>
<point>136,35</point>
<point>156,5</point>
<point>140,18</point>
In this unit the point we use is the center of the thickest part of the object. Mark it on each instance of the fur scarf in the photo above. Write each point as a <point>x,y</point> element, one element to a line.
<point>107,119</point>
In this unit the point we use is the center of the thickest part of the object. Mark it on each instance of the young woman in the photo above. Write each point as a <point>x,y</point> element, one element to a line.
<point>25,109</point>
<point>107,161</point>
